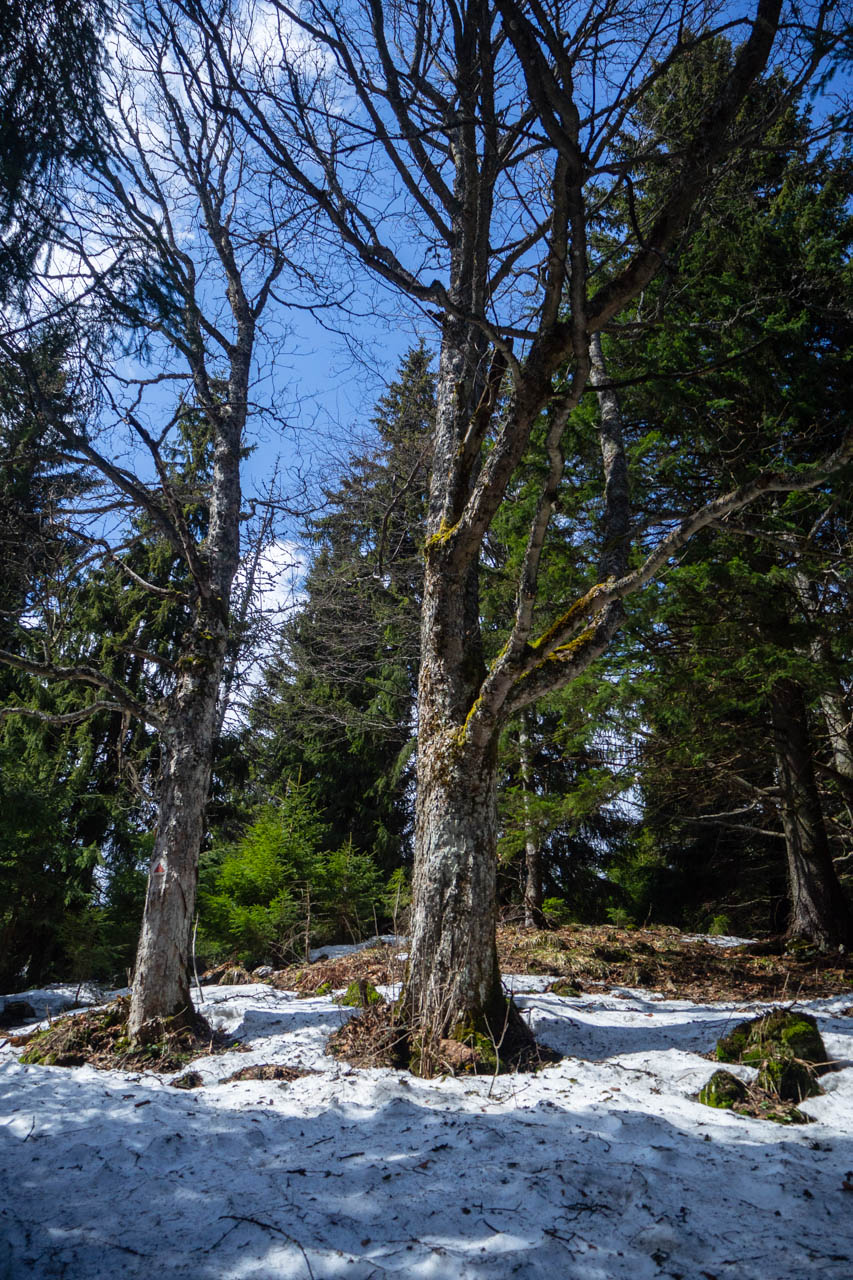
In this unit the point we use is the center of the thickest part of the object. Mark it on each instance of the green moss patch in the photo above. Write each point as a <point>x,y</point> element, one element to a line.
<point>360,994</point>
<point>477,1046</point>
<point>723,1091</point>
<point>564,987</point>
<point>726,1092</point>
<point>787,1049</point>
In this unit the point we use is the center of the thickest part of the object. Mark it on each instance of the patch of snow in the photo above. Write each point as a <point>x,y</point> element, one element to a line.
<point>336,952</point>
<point>59,997</point>
<point>718,940</point>
<point>601,1167</point>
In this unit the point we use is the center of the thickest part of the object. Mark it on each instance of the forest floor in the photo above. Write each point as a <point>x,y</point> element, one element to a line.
<point>275,1161</point>
<point>593,957</point>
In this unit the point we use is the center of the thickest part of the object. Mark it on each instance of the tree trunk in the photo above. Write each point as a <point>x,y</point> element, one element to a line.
<point>533,916</point>
<point>453,977</point>
<point>453,982</point>
<point>820,913</point>
<point>161,977</point>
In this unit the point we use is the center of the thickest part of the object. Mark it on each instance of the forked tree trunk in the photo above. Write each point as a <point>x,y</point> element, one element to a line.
<point>820,913</point>
<point>161,978</point>
<point>453,980</point>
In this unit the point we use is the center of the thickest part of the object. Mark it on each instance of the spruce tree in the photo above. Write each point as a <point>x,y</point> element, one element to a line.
<point>338,704</point>
<point>739,663</point>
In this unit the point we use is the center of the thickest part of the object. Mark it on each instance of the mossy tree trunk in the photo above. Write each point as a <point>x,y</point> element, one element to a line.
<point>820,913</point>
<point>453,976</point>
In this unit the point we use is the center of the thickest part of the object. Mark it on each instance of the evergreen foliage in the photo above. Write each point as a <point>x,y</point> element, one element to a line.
<point>337,707</point>
<point>758,306</point>
<point>279,890</point>
<point>50,118</point>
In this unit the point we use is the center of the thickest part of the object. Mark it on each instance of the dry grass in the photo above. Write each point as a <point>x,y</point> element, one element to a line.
<point>661,959</point>
<point>377,965</point>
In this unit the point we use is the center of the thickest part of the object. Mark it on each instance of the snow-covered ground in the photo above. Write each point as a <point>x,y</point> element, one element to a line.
<point>603,1167</point>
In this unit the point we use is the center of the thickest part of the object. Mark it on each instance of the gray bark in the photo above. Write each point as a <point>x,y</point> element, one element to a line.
<point>188,736</point>
<point>453,974</point>
<point>533,917</point>
<point>161,977</point>
<point>820,913</point>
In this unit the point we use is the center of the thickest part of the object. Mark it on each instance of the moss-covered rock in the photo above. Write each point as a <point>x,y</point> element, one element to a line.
<point>724,1091</point>
<point>788,1079</point>
<point>360,994</point>
<point>730,1047</point>
<point>787,1049</point>
<point>564,987</point>
<point>236,977</point>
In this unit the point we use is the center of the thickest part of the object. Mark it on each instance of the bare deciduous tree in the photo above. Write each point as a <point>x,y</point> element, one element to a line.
<point>172,242</point>
<point>471,156</point>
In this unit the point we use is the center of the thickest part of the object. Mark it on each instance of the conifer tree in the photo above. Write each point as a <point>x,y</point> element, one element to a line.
<point>757,305</point>
<point>338,705</point>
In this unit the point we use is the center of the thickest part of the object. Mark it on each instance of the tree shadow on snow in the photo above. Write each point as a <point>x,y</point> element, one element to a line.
<point>103,1176</point>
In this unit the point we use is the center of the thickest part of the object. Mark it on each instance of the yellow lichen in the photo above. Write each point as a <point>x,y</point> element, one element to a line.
<point>565,651</point>
<point>459,735</point>
<point>442,536</point>
<point>577,610</point>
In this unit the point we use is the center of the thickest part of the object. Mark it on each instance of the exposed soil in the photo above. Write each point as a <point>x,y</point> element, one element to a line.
<point>99,1037</point>
<point>377,965</point>
<point>582,958</point>
<point>598,957</point>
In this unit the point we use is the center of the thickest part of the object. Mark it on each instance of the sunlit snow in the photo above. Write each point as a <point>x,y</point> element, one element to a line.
<point>603,1167</point>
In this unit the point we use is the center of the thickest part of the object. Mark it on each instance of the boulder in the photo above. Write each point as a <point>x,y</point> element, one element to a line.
<point>787,1049</point>
<point>723,1090</point>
